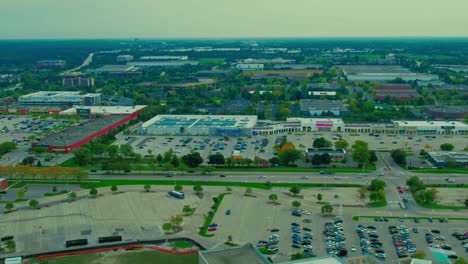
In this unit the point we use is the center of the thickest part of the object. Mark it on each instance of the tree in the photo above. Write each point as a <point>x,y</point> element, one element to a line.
<point>377,196</point>
<point>373,156</point>
<point>9,206</point>
<point>362,192</point>
<point>114,188</point>
<point>248,191</point>
<point>419,254</point>
<point>319,197</point>
<point>82,156</point>
<point>216,159</point>
<point>326,209</point>
<point>322,143</point>
<point>93,192</point>
<point>295,190</point>
<point>426,196</point>
<point>159,158</point>
<point>176,221</point>
<point>415,184</point>
<point>20,194</point>
<point>361,152</point>
<point>228,189</point>
<point>175,161</point>
<point>126,150</point>
<point>198,188</point>
<point>40,150</point>
<point>193,159</point>
<point>341,144</point>
<point>377,185</point>
<point>178,187</point>
<point>147,187</point>
<point>296,204</point>
<point>274,161</point>
<point>399,156</point>
<point>72,196</point>
<point>273,197</point>
<point>6,147</point>
<point>187,209</point>
<point>168,155</point>
<point>460,260</point>
<point>112,150</point>
<point>447,147</point>
<point>289,156</point>
<point>466,202</point>
<point>34,204</point>
<point>325,158</point>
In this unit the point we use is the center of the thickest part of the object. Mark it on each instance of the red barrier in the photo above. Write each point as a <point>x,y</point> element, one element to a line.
<point>117,248</point>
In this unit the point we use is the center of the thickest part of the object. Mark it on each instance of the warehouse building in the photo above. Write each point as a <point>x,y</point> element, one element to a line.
<point>103,110</point>
<point>400,92</point>
<point>359,73</point>
<point>150,64</point>
<point>430,127</point>
<point>316,107</point>
<point>442,111</point>
<point>58,99</point>
<point>443,158</point>
<point>233,125</point>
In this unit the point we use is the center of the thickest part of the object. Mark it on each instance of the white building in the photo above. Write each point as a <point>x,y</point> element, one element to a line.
<point>165,57</point>
<point>430,127</point>
<point>299,124</point>
<point>232,125</point>
<point>147,64</point>
<point>58,99</point>
<point>124,58</point>
<point>250,66</point>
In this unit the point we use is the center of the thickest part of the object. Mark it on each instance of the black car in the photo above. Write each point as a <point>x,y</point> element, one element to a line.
<point>222,175</point>
<point>296,246</point>
<point>446,247</point>
<point>371,227</point>
<point>436,231</point>
<point>6,238</point>
<point>228,212</point>
<point>295,224</point>
<point>274,230</point>
<point>306,229</point>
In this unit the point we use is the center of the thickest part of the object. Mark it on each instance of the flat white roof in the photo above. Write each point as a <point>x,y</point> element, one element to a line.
<point>106,109</point>
<point>438,123</point>
<point>17,260</point>
<point>189,121</point>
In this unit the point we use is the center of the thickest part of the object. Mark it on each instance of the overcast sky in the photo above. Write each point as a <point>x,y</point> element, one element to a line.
<point>231,18</point>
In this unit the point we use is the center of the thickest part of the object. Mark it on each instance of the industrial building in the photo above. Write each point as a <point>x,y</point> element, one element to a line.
<point>443,158</point>
<point>283,74</point>
<point>430,127</point>
<point>250,66</point>
<point>116,69</point>
<point>298,66</point>
<point>50,63</point>
<point>336,154</point>
<point>124,58</point>
<point>149,64</point>
<point>316,107</point>
<point>359,73</point>
<point>443,112</point>
<point>78,82</point>
<point>400,92</point>
<point>76,136</point>
<point>58,99</point>
<point>233,125</point>
<point>103,110</point>
<point>165,57</point>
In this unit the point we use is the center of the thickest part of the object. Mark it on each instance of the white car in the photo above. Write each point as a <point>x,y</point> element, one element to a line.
<point>262,177</point>
<point>305,177</point>
<point>353,249</point>
<point>306,213</point>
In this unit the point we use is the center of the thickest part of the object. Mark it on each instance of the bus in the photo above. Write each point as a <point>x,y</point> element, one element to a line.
<point>176,194</point>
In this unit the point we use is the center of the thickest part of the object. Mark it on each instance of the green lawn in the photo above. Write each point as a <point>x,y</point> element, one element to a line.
<point>211,61</point>
<point>258,185</point>
<point>55,193</point>
<point>183,244</point>
<point>127,257</point>
<point>441,171</point>
<point>378,204</point>
<point>296,169</point>
<point>357,217</point>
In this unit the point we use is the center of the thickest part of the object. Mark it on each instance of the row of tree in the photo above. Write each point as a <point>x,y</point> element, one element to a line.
<point>54,172</point>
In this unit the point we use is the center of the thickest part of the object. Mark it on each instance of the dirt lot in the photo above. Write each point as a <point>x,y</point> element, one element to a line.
<point>133,214</point>
<point>452,196</point>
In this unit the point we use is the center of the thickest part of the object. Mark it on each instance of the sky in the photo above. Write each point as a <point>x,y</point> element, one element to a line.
<point>38,19</point>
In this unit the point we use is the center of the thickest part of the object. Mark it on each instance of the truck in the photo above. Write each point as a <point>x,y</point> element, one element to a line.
<point>3,184</point>
<point>176,194</point>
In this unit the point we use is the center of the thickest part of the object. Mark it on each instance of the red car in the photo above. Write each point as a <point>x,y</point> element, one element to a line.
<point>212,229</point>
<point>400,189</point>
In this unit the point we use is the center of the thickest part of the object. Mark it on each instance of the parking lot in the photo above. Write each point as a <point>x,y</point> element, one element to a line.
<point>405,229</point>
<point>262,146</point>
<point>22,129</point>
<point>452,196</point>
<point>131,213</point>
